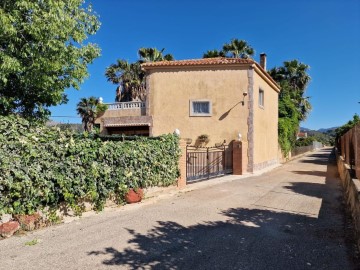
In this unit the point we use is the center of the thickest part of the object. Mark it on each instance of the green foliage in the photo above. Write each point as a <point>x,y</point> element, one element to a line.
<point>305,141</point>
<point>236,48</point>
<point>130,77</point>
<point>293,105</point>
<point>42,53</point>
<point>89,109</point>
<point>349,125</point>
<point>326,138</point>
<point>288,123</point>
<point>32,242</point>
<point>45,167</point>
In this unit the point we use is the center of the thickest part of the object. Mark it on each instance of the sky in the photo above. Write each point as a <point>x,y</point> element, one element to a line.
<point>324,34</point>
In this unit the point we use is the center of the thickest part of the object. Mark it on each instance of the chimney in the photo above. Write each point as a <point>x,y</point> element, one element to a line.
<point>263,60</point>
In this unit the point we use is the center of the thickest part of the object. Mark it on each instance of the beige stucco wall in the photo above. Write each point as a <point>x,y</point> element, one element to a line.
<point>171,91</point>
<point>120,113</point>
<point>265,124</point>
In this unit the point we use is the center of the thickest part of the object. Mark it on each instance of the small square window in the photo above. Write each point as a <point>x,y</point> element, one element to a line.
<point>200,108</point>
<point>261,98</point>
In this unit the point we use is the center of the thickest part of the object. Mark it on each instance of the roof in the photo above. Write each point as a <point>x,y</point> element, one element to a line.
<point>197,62</point>
<point>216,61</point>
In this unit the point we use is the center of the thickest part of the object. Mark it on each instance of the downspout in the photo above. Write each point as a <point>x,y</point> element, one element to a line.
<point>250,121</point>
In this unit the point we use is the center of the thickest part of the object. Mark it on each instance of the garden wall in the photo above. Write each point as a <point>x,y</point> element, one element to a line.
<point>45,168</point>
<point>351,187</point>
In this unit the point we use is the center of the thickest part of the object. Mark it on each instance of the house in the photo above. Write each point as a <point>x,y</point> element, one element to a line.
<point>227,99</point>
<point>301,135</point>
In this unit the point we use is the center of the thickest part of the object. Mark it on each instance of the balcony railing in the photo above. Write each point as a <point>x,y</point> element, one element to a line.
<point>126,105</point>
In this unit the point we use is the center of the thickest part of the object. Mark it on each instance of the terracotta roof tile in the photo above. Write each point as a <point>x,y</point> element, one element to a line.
<point>196,62</point>
<point>206,61</point>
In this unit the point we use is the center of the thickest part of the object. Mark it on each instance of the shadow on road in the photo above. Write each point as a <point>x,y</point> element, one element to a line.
<point>314,173</point>
<point>245,239</point>
<point>250,239</point>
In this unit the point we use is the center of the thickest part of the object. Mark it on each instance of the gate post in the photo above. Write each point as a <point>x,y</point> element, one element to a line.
<point>181,183</point>
<point>239,157</point>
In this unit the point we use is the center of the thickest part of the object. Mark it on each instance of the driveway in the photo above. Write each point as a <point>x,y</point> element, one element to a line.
<point>289,218</point>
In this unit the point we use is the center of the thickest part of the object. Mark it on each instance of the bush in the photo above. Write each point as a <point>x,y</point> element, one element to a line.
<point>45,167</point>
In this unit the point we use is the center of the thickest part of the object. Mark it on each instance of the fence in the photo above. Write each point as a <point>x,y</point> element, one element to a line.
<point>349,147</point>
<point>207,162</point>
<point>303,149</point>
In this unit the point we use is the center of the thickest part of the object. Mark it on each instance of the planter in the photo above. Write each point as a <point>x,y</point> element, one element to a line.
<point>134,195</point>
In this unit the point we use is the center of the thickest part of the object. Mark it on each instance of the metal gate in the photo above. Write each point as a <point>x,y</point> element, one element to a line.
<point>207,162</point>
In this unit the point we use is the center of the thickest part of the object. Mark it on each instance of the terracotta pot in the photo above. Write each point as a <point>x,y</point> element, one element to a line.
<point>134,195</point>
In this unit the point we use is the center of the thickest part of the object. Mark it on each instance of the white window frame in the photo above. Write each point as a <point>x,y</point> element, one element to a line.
<point>261,98</point>
<point>192,113</point>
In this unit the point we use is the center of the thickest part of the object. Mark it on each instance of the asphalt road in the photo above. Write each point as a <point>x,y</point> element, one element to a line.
<point>289,218</point>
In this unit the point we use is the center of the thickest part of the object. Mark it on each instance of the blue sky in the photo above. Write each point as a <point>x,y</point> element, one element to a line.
<point>325,34</point>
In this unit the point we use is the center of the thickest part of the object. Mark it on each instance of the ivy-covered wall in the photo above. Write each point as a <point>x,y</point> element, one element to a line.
<point>45,167</point>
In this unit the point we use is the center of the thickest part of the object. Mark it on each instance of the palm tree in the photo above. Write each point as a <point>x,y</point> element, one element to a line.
<point>153,55</point>
<point>294,79</point>
<point>213,53</point>
<point>130,78</point>
<point>238,49</point>
<point>88,109</point>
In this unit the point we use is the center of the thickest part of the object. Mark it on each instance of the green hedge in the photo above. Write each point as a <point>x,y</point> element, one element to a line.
<point>45,167</point>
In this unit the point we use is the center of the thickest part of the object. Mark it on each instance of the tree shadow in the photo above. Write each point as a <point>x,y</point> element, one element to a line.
<point>314,173</point>
<point>245,238</point>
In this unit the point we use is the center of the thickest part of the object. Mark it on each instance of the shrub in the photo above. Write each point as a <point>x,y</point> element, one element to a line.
<point>45,167</point>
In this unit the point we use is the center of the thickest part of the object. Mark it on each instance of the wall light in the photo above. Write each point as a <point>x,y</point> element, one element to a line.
<point>243,101</point>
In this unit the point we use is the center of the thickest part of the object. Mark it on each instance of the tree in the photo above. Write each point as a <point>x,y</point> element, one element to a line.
<point>213,53</point>
<point>88,109</point>
<point>349,125</point>
<point>130,77</point>
<point>42,53</point>
<point>293,105</point>
<point>294,79</point>
<point>238,49</point>
<point>153,55</point>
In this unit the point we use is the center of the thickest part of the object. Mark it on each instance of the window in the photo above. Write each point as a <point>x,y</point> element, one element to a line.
<point>200,108</point>
<point>261,98</point>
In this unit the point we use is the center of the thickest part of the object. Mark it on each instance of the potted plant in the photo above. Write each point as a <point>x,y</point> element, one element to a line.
<point>134,195</point>
<point>135,192</point>
<point>203,139</point>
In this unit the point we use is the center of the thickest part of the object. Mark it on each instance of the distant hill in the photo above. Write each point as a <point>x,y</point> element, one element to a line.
<point>322,130</point>
<point>303,129</point>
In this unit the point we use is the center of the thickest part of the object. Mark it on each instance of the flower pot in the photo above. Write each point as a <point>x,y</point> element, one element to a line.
<point>134,195</point>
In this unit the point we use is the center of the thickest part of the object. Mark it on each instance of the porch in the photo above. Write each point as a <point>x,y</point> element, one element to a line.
<point>128,118</point>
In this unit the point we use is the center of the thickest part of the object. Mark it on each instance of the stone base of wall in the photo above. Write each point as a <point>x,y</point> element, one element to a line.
<point>265,164</point>
<point>351,189</point>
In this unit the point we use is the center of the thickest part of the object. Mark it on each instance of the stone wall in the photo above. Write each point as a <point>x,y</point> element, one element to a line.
<point>351,187</point>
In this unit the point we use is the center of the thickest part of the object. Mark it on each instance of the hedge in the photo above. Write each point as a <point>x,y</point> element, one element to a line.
<point>42,167</point>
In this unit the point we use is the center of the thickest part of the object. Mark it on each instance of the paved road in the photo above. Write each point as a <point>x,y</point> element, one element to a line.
<point>289,218</point>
